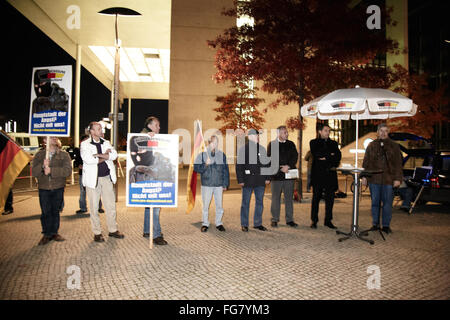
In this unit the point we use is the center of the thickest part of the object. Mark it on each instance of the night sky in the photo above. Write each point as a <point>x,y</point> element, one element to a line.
<point>28,47</point>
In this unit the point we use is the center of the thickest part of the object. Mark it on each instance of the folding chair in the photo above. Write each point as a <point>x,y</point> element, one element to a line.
<point>421,178</point>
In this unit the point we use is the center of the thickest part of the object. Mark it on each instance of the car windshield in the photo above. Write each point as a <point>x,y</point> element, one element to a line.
<point>414,144</point>
<point>416,161</point>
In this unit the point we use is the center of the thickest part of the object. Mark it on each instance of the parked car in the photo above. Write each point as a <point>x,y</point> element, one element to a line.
<point>418,152</point>
<point>29,143</point>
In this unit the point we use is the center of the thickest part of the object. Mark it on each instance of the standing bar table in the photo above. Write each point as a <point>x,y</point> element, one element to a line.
<point>354,231</point>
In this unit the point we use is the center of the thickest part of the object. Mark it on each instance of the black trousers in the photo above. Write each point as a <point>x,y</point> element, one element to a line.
<point>329,201</point>
<point>50,201</point>
<point>9,201</point>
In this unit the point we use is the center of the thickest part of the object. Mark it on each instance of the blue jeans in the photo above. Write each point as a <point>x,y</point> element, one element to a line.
<point>156,224</point>
<point>382,196</point>
<point>245,205</point>
<point>50,201</point>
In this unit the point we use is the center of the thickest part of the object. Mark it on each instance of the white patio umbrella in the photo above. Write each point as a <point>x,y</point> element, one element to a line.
<point>359,104</point>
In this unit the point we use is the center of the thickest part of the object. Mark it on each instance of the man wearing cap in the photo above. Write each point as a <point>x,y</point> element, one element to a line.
<point>251,160</point>
<point>213,168</point>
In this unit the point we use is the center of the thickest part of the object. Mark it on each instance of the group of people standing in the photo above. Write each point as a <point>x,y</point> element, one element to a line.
<point>254,173</point>
<point>258,167</point>
<point>95,160</point>
<point>255,170</point>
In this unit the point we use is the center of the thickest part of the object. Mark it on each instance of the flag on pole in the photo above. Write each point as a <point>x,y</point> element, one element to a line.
<point>198,147</point>
<point>12,161</point>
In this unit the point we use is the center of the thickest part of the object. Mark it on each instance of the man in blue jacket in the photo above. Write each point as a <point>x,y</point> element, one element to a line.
<point>213,168</point>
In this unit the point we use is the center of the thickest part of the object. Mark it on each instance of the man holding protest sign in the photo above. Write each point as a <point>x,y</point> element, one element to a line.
<point>51,172</point>
<point>152,127</point>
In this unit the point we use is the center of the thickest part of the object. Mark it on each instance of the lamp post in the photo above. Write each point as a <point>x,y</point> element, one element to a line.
<point>117,11</point>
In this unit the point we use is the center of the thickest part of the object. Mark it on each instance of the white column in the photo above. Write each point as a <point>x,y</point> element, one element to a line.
<point>77,98</point>
<point>129,114</point>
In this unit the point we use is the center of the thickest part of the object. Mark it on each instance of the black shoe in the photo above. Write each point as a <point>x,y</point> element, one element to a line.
<point>374,228</point>
<point>262,228</point>
<point>386,230</point>
<point>80,211</point>
<point>44,240</point>
<point>220,228</point>
<point>314,225</point>
<point>116,234</point>
<point>101,210</point>
<point>99,238</point>
<point>146,235</point>
<point>330,225</point>
<point>58,238</point>
<point>274,224</point>
<point>159,241</point>
<point>204,229</point>
<point>245,229</point>
<point>292,224</point>
<point>6,212</point>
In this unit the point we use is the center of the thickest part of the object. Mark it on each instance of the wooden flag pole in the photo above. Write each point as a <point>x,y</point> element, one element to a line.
<point>47,149</point>
<point>151,227</point>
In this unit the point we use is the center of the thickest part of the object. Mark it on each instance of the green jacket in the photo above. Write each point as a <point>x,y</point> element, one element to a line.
<point>61,168</point>
<point>384,155</point>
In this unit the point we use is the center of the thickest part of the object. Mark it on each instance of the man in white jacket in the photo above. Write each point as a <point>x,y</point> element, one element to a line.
<point>99,177</point>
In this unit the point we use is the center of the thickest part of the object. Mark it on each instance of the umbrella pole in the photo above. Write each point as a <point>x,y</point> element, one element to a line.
<point>357,138</point>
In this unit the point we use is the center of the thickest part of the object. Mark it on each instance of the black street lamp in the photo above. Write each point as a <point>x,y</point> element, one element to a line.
<point>117,11</point>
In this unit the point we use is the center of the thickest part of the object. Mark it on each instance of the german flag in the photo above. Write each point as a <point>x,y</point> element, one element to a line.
<point>199,146</point>
<point>12,161</point>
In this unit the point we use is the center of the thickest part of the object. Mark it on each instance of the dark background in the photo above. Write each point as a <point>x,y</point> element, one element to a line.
<point>26,47</point>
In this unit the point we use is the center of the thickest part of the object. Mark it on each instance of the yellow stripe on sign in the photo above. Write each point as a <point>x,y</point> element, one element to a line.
<point>50,130</point>
<point>149,201</point>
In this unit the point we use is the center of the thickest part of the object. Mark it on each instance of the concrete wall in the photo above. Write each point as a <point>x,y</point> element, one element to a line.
<point>192,92</point>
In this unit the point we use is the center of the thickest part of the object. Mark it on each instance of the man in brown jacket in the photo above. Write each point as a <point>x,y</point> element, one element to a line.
<point>51,174</point>
<point>384,155</point>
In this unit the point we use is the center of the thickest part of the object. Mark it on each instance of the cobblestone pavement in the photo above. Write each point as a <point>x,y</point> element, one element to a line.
<point>282,263</point>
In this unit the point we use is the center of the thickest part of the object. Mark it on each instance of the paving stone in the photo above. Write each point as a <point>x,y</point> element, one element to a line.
<point>282,263</point>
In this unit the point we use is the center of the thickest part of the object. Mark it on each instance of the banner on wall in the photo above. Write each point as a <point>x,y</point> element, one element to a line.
<point>152,170</point>
<point>51,96</point>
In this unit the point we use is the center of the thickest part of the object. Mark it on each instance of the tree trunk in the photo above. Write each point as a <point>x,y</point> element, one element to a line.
<point>300,148</point>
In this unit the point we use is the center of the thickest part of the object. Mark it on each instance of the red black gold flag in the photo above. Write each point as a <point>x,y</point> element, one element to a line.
<point>199,145</point>
<point>12,161</point>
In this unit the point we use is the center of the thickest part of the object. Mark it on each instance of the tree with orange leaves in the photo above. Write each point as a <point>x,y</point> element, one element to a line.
<point>429,103</point>
<point>301,49</point>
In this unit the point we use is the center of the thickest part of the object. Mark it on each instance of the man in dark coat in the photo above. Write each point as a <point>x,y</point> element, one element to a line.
<point>251,162</point>
<point>326,156</point>
<point>284,153</point>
